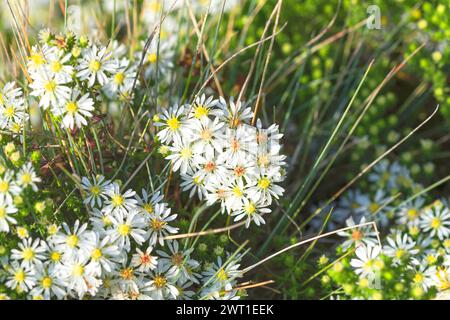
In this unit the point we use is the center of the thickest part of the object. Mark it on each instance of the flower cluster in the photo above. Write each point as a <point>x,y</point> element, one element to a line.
<point>69,75</point>
<point>17,181</point>
<point>376,203</point>
<point>13,109</point>
<point>222,158</point>
<point>413,259</point>
<point>115,255</point>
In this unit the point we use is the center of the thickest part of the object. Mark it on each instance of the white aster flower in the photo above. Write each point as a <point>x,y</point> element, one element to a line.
<point>159,226</point>
<point>235,113</point>
<point>118,203</point>
<point>264,187</point>
<point>103,254</point>
<point>79,277</point>
<point>400,247</point>
<point>364,264</point>
<point>96,190</point>
<point>126,227</point>
<point>51,91</point>
<point>28,177</point>
<point>357,235</point>
<point>6,210</point>
<point>436,221</point>
<point>29,252</point>
<point>172,124</point>
<point>203,107</point>
<point>143,260</point>
<point>74,242</point>
<point>178,262</point>
<point>75,109</point>
<point>96,64</point>
<point>181,155</point>
<point>239,144</point>
<point>20,277</point>
<point>162,285</point>
<point>48,285</point>
<point>8,187</point>
<point>121,81</point>
<point>251,212</point>
<point>57,64</point>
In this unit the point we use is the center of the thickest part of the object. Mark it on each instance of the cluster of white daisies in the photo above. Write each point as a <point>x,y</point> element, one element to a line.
<point>69,75</point>
<point>115,255</point>
<point>13,108</point>
<point>13,182</point>
<point>222,157</point>
<point>418,237</point>
<point>427,258</point>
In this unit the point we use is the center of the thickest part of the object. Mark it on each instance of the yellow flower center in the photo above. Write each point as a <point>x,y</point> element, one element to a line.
<point>9,112</point>
<point>50,86</point>
<point>96,254</point>
<point>436,223</point>
<point>196,180</point>
<point>95,65</point>
<point>119,78</point>
<point>234,145</point>
<point>206,135</point>
<point>4,186</point>
<point>47,282</point>
<point>37,59</point>
<point>200,111</point>
<point>16,127</point>
<point>22,232</point>
<point>52,229</point>
<point>19,276</point>
<point>368,265</point>
<point>264,183</point>
<point>72,241</point>
<point>27,254</point>
<point>26,178</point>
<point>173,123</point>
<point>412,214</point>
<point>373,207</point>
<point>2,212</point>
<point>127,274</point>
<point>222,275</point>
<point>263,160</point>
<point>107,221</point>
<point>55,256</point>
<point>56,66</point>
<point>431,259</point>
<point>71,107</point>
<point>78,270</point>
<point>123,229</point>
<point>400,253</point>
<point>418,278</point>
<point>250,208</point>
<point>157,225</point>
<point>95,190</point>
<point>237,191</point>
<point>186,153</point>
<point>117,200</point>
<point>148,207</point>
<point>159,282</point>
<point>152,58</point>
